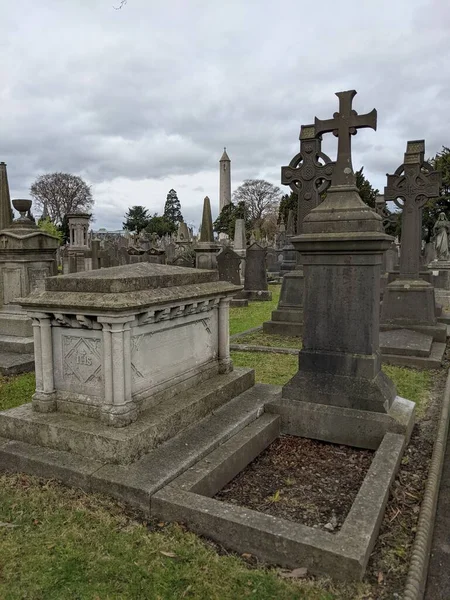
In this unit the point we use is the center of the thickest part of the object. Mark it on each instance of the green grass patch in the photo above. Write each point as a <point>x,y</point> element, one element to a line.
<point>275,369</point>
<point>57,542</point>
<point>254,314</point>
<point>269,340</point>
<point>413,385</point>
<point>16,390</point>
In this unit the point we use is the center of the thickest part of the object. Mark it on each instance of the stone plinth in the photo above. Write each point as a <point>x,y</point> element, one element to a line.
<point>111,343</point>
<point>409,300</point>
<point>288,318</point>
<point>342,245</point>
<point>27,257</point>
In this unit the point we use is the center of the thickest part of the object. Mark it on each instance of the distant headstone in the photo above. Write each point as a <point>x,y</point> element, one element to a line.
<point>156,255</point>
<point>409,301</point>
<point>255,279</point>
<point>183,233</point>
<point>240,241</point>
<point>228,264</point>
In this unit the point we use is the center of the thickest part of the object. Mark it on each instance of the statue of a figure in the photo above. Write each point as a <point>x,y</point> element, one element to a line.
<point>441,232</point>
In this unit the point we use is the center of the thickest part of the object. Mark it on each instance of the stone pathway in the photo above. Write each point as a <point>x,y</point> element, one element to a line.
<point>438,582</point>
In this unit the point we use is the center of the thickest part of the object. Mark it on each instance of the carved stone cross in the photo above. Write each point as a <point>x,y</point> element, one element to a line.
<point>411,186</point>
<point>344,124</point>
<point>305,175</point>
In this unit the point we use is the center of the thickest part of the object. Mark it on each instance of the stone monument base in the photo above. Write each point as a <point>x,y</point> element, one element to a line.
<point>177,480</point>
<point>88,437</point>
<point>411,335</point>
<point>254,295</point>
<point>287,320</point>
<point>16,343</point>
<point>409,348</point>
<point>238,303</point>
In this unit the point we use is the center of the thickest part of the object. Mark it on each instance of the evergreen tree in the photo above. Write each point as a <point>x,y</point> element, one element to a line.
<point>160,225</point>
<point>226,221</point>
<point>288,202</point>
<point>136,219</point>
<point>366,191</point>
<point>172,208</point>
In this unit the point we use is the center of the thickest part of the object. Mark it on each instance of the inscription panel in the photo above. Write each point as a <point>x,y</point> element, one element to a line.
<point>78,361</point>
<point>173,349</point>
<point>12,285</point>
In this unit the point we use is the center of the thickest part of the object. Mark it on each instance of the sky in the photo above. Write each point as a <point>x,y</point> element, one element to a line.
<point>143,99</point>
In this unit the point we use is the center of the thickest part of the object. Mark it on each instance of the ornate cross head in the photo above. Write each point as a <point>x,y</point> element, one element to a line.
<point>305,175</point>
<point>415,181</point>
<point>343,125</point>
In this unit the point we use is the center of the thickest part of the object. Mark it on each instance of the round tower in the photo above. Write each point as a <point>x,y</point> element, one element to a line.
<point>225,180</point>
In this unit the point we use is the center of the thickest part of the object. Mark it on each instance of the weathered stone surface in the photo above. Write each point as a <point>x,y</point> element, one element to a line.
<point>288,318</point>
<point>240,241</point>
<point>129,278</point>
<point>340,425</point>
<point>406,342</point>
<point>13,363</point>
<point>87,437</point>
<point>408,300</point>
<point>228,263</point>
<point>206,231</point>
<point>5,200</point>
<point>342,246</point>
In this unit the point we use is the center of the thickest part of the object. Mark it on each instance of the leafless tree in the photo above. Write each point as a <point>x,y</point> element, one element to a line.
<point>58,194</point>
<point>261,198</point>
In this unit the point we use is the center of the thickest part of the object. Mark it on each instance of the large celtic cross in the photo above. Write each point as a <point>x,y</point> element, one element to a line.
<point>305,175</point>
<point>411,186</point>
<point>344,124</point>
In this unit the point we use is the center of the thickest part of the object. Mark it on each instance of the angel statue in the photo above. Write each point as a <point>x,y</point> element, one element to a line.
<point>441,232</point>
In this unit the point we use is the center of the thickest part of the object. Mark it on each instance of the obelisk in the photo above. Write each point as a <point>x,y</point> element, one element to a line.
<point>5,200</point>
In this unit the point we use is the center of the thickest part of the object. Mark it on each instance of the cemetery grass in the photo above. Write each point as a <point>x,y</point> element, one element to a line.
<point>258,338</point>
<point>58,542</point>
<point>254,314</point>
<point>17,390</point>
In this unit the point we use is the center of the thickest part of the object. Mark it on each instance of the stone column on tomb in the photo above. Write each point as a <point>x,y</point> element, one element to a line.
<point>119,409</point>
<point>44,398</point>
<point>409,300</point>
<point>225,363</point>
<point>342,243</point>
<point>309,176</point>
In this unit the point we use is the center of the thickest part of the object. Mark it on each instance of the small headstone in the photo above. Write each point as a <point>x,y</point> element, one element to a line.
<point>255,279</point>
<point>239,235</point>
<point>228,263</point>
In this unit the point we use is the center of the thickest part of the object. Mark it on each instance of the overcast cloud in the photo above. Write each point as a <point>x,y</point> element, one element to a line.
<point>140,100</point>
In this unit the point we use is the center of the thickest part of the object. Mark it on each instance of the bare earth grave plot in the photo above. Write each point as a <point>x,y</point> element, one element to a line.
<point>302,480</point>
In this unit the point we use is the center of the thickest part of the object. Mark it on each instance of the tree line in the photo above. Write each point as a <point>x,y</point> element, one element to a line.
<point>261,204</point>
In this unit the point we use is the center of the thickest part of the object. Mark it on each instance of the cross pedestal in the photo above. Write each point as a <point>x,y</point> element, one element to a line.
<point>409,301</point>
<point>342,245</point>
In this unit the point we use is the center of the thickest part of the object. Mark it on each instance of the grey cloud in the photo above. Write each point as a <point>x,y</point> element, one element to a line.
<point>155,91</point>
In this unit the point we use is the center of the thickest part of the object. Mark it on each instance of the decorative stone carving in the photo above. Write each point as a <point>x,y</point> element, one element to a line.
<point>108,342</point>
